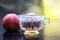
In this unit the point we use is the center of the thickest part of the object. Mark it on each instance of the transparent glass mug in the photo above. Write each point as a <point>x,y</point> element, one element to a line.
<point>31,24</point>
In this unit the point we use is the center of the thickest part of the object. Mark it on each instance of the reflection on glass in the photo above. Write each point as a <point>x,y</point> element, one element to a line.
<point>12,36</point>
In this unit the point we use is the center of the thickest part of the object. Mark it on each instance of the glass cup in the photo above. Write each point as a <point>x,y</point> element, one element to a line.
<point>31,24</point>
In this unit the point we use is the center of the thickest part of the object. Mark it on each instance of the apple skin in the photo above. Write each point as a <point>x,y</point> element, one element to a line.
<point>10,22</point>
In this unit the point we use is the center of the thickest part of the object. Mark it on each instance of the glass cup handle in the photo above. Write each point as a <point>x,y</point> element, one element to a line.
<point>47,20</point>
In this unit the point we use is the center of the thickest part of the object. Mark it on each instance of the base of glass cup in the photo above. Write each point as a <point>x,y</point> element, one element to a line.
<point>31,34</point>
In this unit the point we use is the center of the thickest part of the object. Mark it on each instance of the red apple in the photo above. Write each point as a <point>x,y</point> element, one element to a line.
<point>11,22</point>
